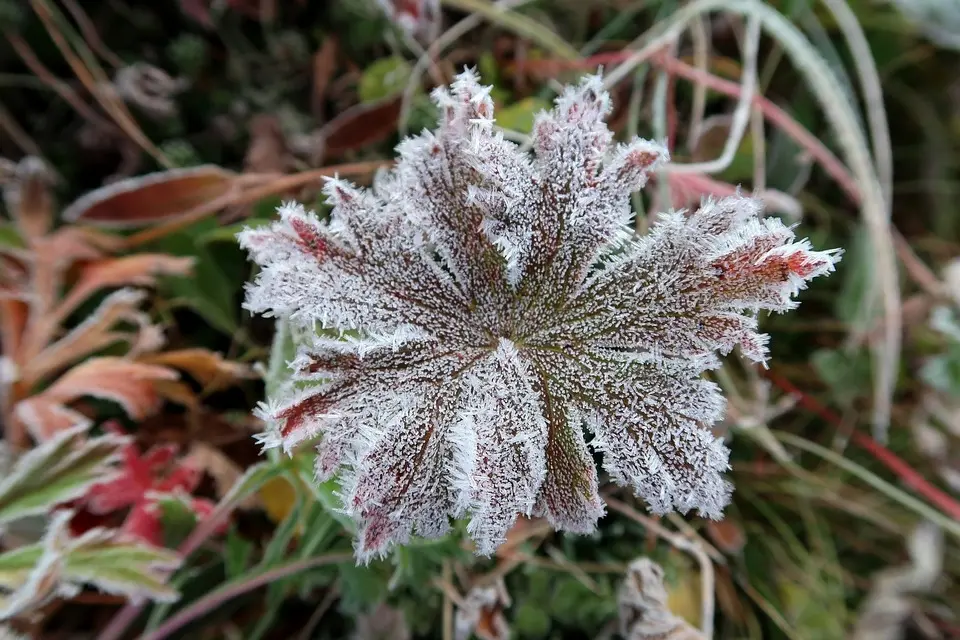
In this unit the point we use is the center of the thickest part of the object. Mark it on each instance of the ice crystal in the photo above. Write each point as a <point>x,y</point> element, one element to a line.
<point>492,306</point>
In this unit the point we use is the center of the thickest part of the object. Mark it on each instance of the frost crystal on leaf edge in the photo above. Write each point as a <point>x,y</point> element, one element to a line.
<point>479,309</point>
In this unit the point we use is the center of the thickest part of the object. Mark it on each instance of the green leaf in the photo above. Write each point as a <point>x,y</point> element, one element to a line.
<point>327,494</point>
<point>207,291</point>
<point>177,518</point>
<point>10,236</point>
<point>16,565</point>
<point>519,116</point>
<point>847,374</point>
<point>360,587</point>
<point>859,264</point>
<point>531,621</point>
<point>236,559</point>
<point>57,471</point>
<point>384,78</point>
<point>116,564</point>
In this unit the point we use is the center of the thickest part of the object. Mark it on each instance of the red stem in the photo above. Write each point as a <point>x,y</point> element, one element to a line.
<point>213,600</point>
<point>892,461</point>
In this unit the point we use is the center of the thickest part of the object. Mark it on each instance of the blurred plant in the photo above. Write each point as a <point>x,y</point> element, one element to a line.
<point>145,480</point>
<point>502,306</point>
<point>939,20</point>
<point>59,470</point>
<point>644,614</point>
<point>936,422</point>
<point>890,602</point>
<point>419,19</point>
<point>49,275</point>
<point>481,613</point>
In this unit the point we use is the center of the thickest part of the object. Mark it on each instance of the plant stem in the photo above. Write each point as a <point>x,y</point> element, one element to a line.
<point>889,459</point>
<point>216,598</point>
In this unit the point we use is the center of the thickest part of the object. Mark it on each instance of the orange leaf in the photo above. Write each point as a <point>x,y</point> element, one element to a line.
<point>206,367</point>
<point>151,198</point>
<point>727,534</point>
<point>94,333</point>
<point>132,385</point>
<point>141,270</point>
<point>13,319</point>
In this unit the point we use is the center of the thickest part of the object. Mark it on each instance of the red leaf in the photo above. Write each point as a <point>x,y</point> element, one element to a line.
<point>150,198</point>
<point>361,126</point>
<point>147,477</point>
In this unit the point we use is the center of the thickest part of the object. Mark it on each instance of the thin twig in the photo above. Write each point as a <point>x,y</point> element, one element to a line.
<point>893,462</point>
<point>61,88</point>
<point>217,598</point>
<point>20,137</point>
<point>90,34</point>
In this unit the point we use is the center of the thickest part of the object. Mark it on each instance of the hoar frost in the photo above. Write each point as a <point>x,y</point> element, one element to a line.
<point>494,308</point>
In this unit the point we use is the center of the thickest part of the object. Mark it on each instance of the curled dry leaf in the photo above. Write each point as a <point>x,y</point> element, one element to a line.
<point>129,384</point>
<point>481,613</point>
<point>149,88</point>
<point>642,603</point>
<point>27,197</point>
<point>152,197</point>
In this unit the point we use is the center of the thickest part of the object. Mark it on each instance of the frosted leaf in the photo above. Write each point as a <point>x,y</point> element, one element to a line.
<point>484,308</point>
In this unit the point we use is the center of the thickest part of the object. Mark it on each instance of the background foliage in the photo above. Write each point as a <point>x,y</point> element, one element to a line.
<point>846,514</point>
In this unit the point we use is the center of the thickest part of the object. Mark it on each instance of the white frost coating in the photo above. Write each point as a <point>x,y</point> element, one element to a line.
<point>491,305</point>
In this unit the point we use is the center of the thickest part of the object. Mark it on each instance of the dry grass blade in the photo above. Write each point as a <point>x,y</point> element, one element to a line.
<point>94,80</point>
